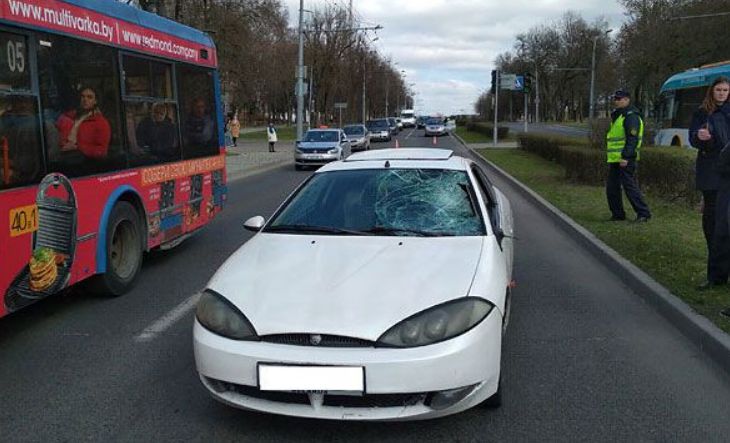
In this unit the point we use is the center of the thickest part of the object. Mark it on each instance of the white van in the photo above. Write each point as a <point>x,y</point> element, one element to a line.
<point>408,118</point>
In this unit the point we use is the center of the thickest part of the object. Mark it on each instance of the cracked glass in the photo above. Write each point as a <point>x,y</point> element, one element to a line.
<point>407,202</point>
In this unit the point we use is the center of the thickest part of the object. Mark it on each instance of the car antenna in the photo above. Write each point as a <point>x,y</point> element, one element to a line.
<point>387,164</point>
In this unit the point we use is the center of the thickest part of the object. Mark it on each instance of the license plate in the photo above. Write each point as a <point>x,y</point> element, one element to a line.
<point>23,220</point>
<point>311,378</point>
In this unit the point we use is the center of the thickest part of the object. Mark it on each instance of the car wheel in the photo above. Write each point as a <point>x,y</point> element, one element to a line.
<point>123,251</point>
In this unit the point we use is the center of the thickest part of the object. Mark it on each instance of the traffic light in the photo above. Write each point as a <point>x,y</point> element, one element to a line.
<point>494,82</point>
<point>527,87</point>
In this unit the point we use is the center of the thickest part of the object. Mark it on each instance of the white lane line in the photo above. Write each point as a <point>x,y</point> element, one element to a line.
<point>410,133</point>
<point>167,320</point>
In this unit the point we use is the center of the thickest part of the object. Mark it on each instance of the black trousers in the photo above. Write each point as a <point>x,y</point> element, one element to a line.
<point>625,178</point>
<point>708,216</point>
<point>718,266</point>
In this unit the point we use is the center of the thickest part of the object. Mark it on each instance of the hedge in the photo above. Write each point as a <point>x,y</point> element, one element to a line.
<point>666,172</point>
<point>487,129</point>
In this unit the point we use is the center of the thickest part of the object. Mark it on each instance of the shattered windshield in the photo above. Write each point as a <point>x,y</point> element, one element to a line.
<point>408,202</point>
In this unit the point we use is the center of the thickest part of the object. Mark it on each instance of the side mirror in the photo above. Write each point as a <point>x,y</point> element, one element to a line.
<point>254,223</point>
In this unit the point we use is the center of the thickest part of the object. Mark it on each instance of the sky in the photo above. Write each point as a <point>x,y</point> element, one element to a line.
<point>447,47</point>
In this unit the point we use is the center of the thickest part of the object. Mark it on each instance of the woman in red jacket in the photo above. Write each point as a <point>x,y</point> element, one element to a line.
<point>85,130</point>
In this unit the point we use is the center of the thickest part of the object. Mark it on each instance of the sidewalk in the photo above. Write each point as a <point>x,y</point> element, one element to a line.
<point>500,145</point>
<point>249,158</point>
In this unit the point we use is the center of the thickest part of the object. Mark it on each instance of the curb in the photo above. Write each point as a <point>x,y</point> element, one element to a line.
<point>698,329</point>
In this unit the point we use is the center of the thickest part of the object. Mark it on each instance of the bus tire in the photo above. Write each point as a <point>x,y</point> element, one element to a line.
<point>123,251</point>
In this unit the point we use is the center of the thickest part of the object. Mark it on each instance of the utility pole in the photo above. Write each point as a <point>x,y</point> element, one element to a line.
<point>537,97</point>
<point>364,117</point>
<point>350,13</point>
<point>311,88</point>
<point>496,108</point>
<point>387,87</point>
<point>300,74</point>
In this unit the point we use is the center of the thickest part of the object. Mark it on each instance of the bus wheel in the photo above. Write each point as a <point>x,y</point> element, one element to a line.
<point>123,251</point>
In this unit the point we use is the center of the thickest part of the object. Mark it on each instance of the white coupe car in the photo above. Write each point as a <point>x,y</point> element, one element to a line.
<point>379,290</point>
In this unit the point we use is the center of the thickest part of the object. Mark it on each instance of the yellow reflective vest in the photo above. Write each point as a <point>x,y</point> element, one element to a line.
<point>616,138</point>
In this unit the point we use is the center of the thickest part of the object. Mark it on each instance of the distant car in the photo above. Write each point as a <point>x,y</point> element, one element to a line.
<point>379,130</point>
<point>379,290</point>
<point>321,146</point>
<point>393,124</point>
<point>435,126</point>
<point>408,117</point>
<point>399,122</point>
<point>359,137</point>
<point>421,121</point>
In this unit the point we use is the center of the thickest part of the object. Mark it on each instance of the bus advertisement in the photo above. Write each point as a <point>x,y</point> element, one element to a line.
<point>111,143</point>
<point>680,97</point>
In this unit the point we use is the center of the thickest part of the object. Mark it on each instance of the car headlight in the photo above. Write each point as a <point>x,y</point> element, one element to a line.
<point>298,151</point>
<point>437,324</point>
<point>219,316</point>
<point>333,151</point>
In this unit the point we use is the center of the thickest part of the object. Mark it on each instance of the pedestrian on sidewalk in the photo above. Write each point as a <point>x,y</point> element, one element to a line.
<point>718,266</point>
<point>623,143</point>
<point>235,127</point>
<point>271,134</point>
<point>707,178</point>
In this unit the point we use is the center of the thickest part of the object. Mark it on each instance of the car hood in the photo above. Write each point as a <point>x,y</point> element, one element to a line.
<point>349,286</point>
<point>317,145</point>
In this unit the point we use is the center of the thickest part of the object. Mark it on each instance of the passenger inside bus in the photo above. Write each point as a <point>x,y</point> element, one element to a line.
<point>19,142</point>
<point>85,130</point>
<point>156,134</point>
<point>199,126</point>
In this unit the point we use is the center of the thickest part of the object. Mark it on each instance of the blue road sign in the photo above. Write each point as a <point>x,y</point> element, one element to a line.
<point>519,83</point>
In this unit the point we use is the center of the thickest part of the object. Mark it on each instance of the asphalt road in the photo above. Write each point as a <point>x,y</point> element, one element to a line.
<point>585,359</point>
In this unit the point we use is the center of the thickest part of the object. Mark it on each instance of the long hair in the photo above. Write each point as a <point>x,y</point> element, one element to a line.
<point>708,104</point>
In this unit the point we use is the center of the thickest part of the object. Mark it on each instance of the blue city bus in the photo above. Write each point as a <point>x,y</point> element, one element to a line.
<point>111,143</point>
<point>681,95</point>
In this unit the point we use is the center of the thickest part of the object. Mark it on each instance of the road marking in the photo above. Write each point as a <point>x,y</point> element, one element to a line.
<point>166,321</point>
<point>410,133</point>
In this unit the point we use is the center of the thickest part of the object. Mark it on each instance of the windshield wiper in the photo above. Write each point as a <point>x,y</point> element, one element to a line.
<point>396,231</point>
<point>313,229</point>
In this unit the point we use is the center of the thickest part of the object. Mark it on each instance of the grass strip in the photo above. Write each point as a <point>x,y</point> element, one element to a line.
<point>283,133</point>
<point>670,248</point>
<point>478,137</point>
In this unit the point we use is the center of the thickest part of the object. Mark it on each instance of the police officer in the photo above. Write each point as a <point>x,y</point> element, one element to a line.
<point>623,143</point>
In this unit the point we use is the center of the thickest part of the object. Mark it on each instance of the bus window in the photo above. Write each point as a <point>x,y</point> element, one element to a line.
<point>79,90</point>
<point>21,155</point>
<point>687,101</point>
<point>200,130</point>
<point>14,62</point>
<point>150,112</point>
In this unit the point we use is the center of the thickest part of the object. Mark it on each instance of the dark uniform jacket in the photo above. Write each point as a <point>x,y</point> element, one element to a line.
<point>706,175</point>
<point>632,125</point>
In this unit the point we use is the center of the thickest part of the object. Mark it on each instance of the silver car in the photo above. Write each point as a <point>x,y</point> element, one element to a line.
<point>435,126</point>
<point>321,146</point>
<point>359,137</point>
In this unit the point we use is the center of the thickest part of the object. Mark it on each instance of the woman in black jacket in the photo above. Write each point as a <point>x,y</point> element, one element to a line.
<point>706,177</point>
<point>710,134</point>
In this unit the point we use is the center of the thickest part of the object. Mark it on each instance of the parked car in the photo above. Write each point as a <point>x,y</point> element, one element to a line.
<point>359,137</point>
<point>379,290</point>
<point>379,129</point>
<point>393,124</point>
<point>435,126</point>
<point>321,146</point>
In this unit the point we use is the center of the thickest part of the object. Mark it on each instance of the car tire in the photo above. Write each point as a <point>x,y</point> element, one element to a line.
<point>124,249</point>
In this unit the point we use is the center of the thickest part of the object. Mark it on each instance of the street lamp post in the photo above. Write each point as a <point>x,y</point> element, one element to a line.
<point>593,76</point>
<point>300,73</point>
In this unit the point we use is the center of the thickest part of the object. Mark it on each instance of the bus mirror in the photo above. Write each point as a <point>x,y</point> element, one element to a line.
<point>254,223</point>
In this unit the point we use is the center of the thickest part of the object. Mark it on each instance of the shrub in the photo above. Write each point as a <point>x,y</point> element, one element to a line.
<point>487,129</point>
<point>667,172</point>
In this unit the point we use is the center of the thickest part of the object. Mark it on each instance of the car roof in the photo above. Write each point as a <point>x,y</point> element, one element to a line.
<point>323,129</point>
<point>422,158</point>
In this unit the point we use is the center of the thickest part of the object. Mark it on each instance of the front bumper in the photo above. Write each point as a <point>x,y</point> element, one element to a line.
<point>228,369</point>
<point>381,136</point>
<point>314,159</point>
<point>435,131</point>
